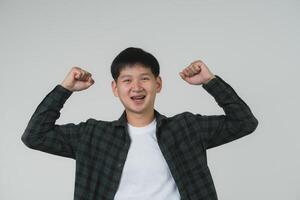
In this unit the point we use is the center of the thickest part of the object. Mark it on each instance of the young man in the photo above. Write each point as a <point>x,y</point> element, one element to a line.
<point>144,154</point>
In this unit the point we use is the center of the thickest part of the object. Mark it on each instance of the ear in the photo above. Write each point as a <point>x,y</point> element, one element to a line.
<point>158,84</point>
<point>114,88</point>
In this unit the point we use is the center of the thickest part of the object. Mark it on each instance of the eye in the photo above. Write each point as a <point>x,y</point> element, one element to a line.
<point>126,80</point>
<point>145,78</point>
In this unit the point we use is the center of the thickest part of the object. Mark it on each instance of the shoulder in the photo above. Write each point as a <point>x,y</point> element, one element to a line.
<point>103,124</point>
<point>92,122</point>
<point>183,116</point>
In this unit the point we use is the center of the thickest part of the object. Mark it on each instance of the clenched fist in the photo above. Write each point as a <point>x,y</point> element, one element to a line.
<point>77,80</point>
<point>197,73</point>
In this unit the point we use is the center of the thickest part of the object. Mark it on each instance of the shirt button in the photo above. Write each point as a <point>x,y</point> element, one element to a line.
<point>120,165</point>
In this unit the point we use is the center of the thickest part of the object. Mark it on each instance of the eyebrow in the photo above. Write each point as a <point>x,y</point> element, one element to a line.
<point>142,74</point>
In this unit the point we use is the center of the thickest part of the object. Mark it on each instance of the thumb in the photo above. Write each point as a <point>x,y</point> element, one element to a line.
<point>76,75</point>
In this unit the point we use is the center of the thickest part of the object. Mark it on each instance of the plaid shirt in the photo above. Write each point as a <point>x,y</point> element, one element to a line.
<point>100,147</point>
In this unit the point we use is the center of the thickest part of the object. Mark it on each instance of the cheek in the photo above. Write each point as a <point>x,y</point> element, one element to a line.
<point>123,91</point>
<point>151,91</point>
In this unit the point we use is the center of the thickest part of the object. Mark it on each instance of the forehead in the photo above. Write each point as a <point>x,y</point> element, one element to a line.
<point>135,70</point>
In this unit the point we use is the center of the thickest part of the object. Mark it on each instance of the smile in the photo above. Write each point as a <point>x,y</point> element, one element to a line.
<point>138,98</point>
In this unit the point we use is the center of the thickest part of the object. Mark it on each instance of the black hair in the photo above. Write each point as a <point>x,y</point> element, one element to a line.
<point>131,56</point>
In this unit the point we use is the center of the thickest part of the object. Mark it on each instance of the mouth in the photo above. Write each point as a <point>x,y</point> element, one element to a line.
<point>139,98</point>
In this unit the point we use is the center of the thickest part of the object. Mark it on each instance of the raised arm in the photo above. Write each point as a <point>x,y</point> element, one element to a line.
<point>215,130</point>
<point>42,133</point>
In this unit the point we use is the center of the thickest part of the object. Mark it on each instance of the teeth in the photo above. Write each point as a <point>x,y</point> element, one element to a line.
<point>139,97</point>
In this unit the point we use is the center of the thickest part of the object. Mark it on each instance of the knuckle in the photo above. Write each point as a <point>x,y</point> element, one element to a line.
<point>75,68</point>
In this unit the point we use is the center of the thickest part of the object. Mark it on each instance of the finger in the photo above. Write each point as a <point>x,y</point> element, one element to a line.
<point>197,62</point>
<point>199,67</point>
<point>190,71</point>
<point>195,69</point>
<point>77,75</point>
<point>86,75</point>
<point>81,74</point>
<point>86,72</point>
<point>182,75</point>
<point>90,81</point>
<point>186,72</point>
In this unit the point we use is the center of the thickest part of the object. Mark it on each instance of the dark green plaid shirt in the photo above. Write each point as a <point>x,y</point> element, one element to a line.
<point>100,147</point>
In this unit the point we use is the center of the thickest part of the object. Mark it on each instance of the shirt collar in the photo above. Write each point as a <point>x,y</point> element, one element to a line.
<point>122,121</point>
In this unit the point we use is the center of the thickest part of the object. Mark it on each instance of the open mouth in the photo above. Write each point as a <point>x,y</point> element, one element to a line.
<point>138,98</point>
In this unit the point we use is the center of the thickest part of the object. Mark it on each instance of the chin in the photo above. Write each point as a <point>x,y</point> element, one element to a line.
<point>136,110</point>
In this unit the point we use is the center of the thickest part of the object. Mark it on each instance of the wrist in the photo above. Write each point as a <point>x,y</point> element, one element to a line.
<point>212,77</point>
<point>66,87</point>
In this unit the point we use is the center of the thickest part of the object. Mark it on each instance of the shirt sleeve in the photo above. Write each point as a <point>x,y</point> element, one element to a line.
<point>237,122</point>
<point>43,134</point>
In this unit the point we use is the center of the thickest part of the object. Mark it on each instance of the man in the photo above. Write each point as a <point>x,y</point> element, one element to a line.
<point>144,154</point>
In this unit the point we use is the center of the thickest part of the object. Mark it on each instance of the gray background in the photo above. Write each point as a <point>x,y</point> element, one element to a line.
<point>253,45</point>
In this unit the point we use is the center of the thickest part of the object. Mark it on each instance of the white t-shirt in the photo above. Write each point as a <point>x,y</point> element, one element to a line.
<point>146,174</point>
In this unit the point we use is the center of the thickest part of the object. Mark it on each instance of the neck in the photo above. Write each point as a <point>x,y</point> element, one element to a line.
<point>140,119</point>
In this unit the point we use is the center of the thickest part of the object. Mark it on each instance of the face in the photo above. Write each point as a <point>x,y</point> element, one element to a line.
<point>136,88</point>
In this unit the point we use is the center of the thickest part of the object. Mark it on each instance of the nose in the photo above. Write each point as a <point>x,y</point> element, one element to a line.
<point>136,86</point>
